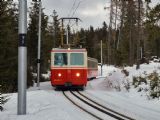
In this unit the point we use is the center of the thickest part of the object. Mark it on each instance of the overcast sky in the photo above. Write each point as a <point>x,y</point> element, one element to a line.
<point>91,12</point>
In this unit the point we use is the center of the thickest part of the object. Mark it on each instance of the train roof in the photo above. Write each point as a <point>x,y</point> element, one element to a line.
<point>68,50</point>
<point>92,59</point>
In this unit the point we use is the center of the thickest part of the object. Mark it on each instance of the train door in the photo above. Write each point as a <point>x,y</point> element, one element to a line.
<point>68,81</point>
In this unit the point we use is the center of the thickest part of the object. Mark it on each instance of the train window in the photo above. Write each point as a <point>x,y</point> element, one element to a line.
<point>92,64</point>
<point>60,59</point>
<point>77,59</point>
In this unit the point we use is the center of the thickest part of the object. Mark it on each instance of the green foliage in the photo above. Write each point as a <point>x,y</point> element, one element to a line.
<point>46,43</point>
<point>55,30</point>
<point>135,81</point>
<point>153,31</point>
<point>32,36</point>
<point>138,81</point>
<point>8,43</point>
<point>154,85</point>
<point>91,39</point>
<point>9,46</point>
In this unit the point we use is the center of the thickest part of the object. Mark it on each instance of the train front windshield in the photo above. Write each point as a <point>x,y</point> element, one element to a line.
<point>60,59</point>
<point>77,59</point>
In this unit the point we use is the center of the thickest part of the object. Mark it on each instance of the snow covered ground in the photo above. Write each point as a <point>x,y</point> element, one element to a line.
<point>129,103</point>
<point>48,104</point>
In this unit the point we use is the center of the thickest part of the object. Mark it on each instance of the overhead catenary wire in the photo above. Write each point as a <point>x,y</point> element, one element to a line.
<point>74,7</point>
<point>69,14</point>
<point>74,10</point>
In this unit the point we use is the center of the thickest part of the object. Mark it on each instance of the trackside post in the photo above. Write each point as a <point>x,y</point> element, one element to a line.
<point>101,59</point>
<point>22,57</point>
<point>39,45</point>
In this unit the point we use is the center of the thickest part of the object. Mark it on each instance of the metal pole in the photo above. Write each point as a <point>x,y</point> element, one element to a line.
<point>141,49</point>
<point>67,35</point>
<point>62,34</point>
<point>54,28</point>
<point>39,45</point>
<point>22,57</point>
<point>110,32</point>
<point>101,59</point>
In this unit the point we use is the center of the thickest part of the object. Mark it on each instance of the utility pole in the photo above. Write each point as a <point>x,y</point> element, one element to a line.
<point>67,35</point>
<point>121,22</point>
<point>62,33</point>
<point>101,58</point>
<point>22,57</point>
<point>110,32</point>
<point>116,10</point>
<point>39,45</point>
<point>139,34</point>
<point>54,28</point>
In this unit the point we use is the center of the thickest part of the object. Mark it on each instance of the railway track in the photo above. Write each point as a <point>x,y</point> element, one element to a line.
<point>95,109</point>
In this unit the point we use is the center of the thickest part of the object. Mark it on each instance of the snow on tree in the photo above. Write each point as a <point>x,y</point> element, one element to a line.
<point>3,99</point>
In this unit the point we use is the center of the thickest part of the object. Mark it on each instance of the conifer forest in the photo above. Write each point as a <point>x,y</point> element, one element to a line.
<point>131,37</point>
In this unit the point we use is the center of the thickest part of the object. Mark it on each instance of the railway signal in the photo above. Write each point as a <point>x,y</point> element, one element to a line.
<point>22,57</point>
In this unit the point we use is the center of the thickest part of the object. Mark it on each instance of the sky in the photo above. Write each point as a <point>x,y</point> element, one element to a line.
<point>91,12</point>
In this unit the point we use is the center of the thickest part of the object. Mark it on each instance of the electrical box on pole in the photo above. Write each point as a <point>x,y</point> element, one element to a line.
<point>22,57</point>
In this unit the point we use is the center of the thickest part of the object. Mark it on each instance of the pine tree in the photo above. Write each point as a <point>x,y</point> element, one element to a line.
<point>8,43</point>
<point>89,41</point>
<point>152,28</point>
<point>131,29</point>
<point>33,33</point>
<point>56,30</point>
<point>33,36</point>
<point>45,44</point>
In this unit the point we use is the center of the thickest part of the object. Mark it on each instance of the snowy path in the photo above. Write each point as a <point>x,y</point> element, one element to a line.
<point>127,103</point>
<point>91,108</point>
<point>44,104</point>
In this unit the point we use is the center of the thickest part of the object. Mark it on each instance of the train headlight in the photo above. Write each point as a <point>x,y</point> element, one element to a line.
<point>77,74</point>
<point>59,74</point>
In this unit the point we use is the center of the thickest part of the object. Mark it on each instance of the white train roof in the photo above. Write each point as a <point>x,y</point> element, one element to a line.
<point>68,50</point>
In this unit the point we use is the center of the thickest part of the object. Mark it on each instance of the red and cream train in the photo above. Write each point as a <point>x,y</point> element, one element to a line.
<point>72,67</point>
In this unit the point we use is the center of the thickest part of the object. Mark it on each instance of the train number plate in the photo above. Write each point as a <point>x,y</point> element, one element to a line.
<point>68,84</point>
